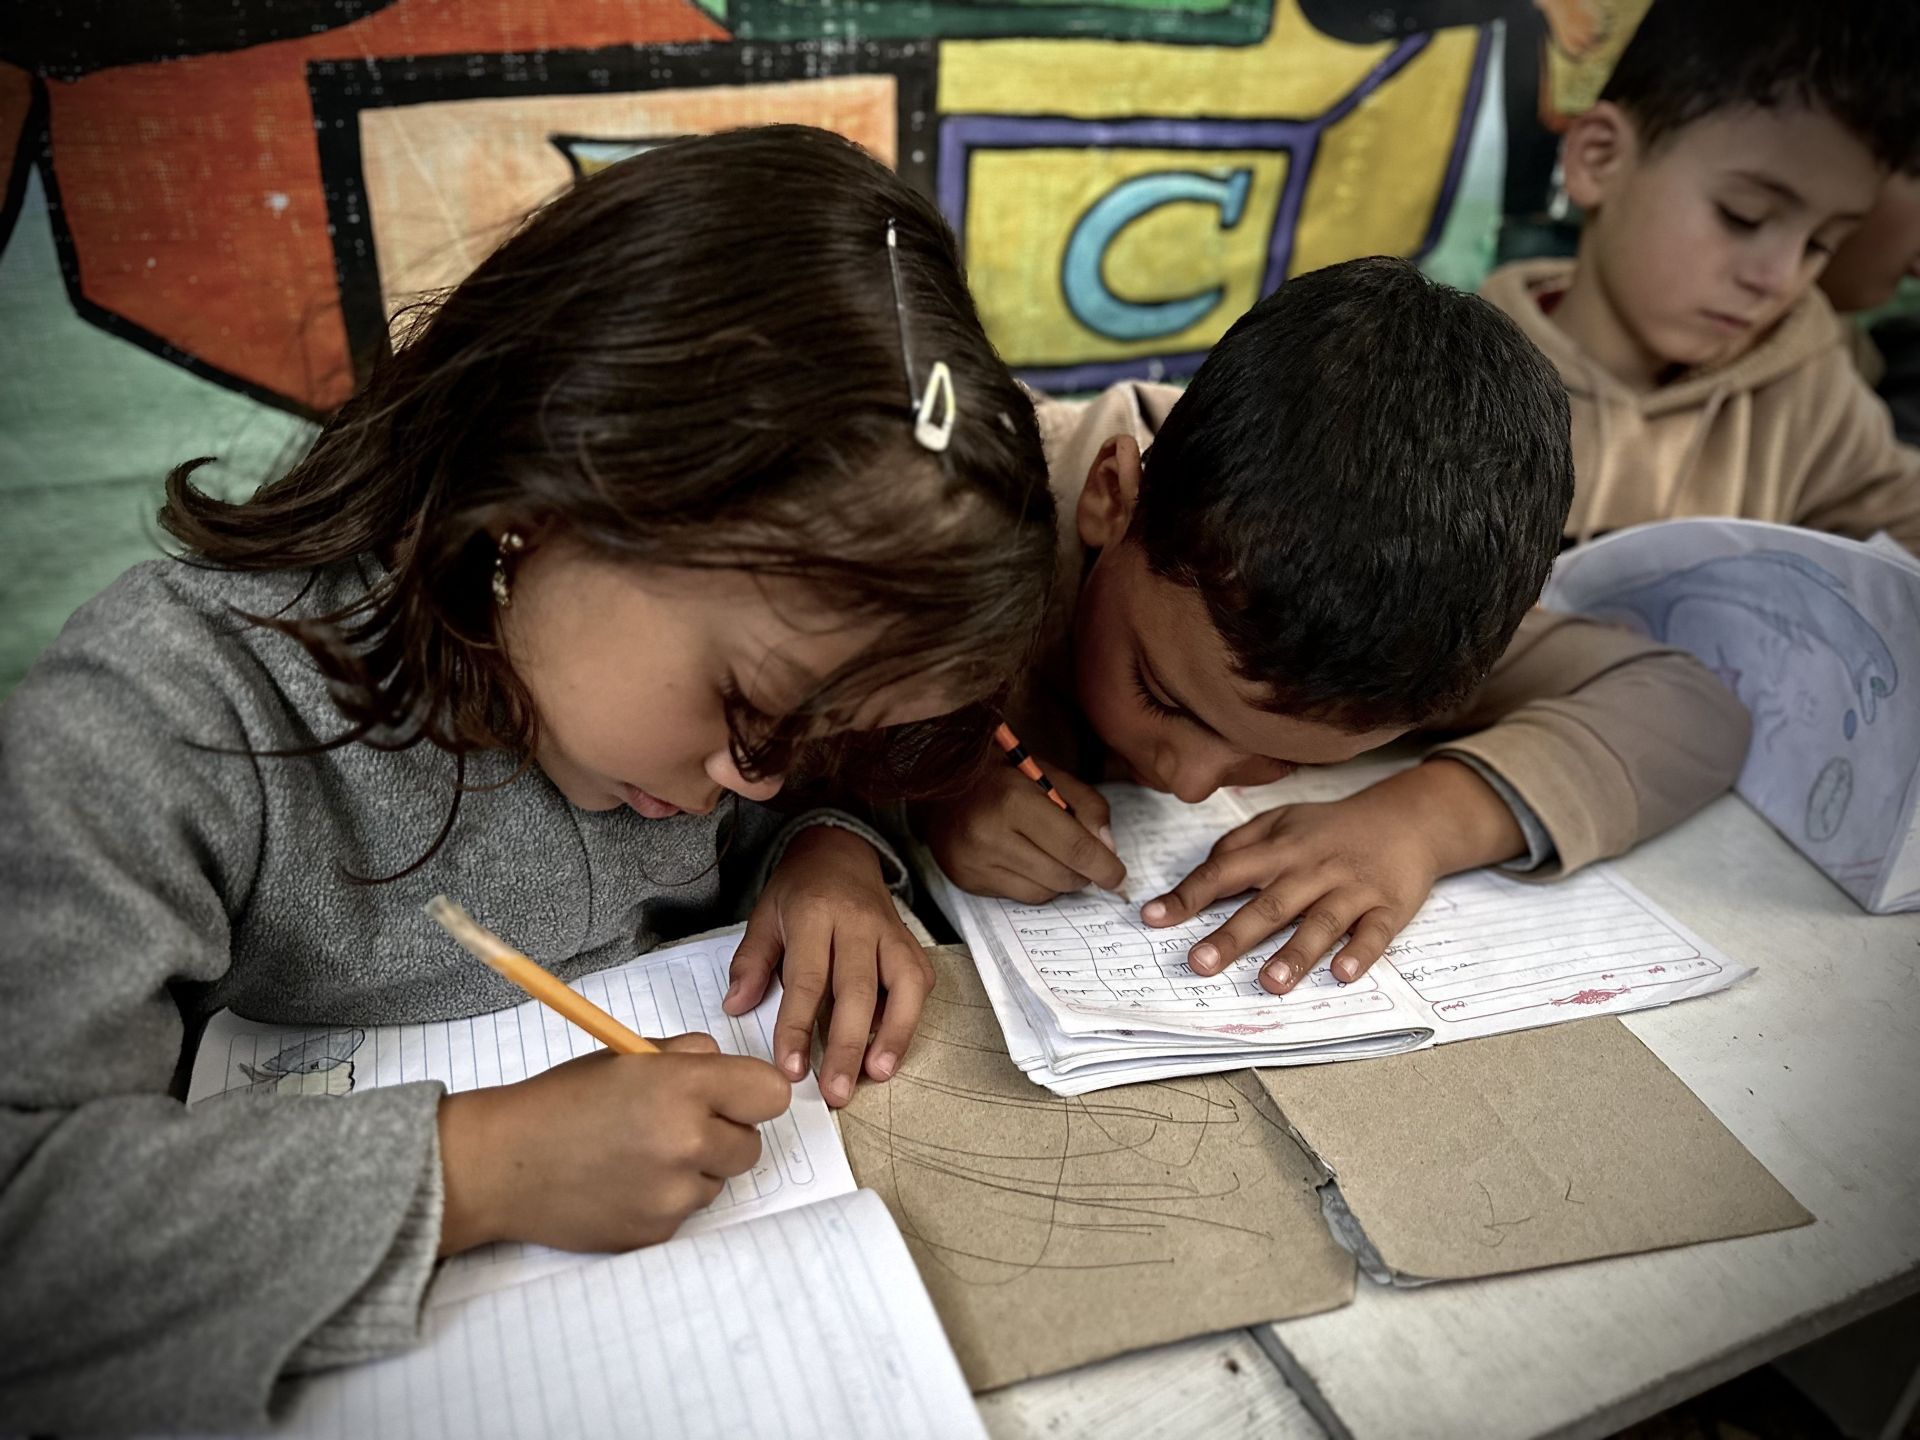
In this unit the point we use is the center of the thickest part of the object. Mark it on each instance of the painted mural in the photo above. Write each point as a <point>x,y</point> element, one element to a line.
<point>211,211</point>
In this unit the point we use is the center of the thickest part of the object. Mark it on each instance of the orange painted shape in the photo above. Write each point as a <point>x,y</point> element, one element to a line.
<point>16,100</point>
<point>191,188</point>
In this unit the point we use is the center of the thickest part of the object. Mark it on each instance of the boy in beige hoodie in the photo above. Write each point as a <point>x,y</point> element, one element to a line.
<point>1738,143</point>
<point>1334,536</point>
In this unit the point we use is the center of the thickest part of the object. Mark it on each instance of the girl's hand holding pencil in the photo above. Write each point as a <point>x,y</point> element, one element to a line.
<point>607,1152</point>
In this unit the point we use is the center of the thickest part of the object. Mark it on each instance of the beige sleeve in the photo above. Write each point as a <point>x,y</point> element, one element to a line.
<point>1863,479</point>
<point>1608,737</point>
<point>1156,401</point>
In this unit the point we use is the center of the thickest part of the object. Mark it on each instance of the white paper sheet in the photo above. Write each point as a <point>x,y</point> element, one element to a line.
<point>807,1322</point>
<point>668,992</point>
<point>1089,996</point>
<point>1820,638</point>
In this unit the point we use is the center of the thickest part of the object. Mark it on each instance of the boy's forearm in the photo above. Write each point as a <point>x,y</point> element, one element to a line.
<point>1606,736</point>
<point>1464,820</point>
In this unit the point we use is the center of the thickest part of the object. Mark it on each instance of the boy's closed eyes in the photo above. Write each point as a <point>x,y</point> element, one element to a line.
<point>1698,241</point>
<point>1731,164</point>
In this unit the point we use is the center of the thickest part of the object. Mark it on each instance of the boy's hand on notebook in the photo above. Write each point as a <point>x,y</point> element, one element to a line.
<point>826,922</point>
<point>1359,868</point>
<point>606,1152</point>
<point>1005,837</point>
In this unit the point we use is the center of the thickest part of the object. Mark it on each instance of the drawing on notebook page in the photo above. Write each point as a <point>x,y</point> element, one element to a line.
<point>318,1065</point>
<point>674,991</point>
<point>1827,801</point>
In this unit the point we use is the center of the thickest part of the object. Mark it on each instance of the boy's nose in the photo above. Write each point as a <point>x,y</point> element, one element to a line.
<point>1771,272</point>
<point>1196,776</point>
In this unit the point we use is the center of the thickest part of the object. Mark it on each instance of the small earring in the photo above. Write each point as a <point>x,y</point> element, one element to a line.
<point>511,543</point>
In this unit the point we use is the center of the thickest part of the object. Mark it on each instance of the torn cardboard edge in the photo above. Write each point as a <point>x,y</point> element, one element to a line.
<point>1345,1227</point>
<point>1351,1236</point>
<point>1521,1152</point>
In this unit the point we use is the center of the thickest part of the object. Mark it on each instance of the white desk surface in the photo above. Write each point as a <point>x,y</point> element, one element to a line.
<point>1814,1064</point>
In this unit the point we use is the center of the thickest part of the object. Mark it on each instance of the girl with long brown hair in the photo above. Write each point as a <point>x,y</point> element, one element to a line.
<point>642,520</point>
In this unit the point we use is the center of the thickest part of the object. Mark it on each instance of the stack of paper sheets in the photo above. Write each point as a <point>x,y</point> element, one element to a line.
<point>1089,996</point>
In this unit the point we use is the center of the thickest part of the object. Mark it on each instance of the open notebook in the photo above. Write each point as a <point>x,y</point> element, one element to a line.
<point>789,1305</point>
<point>807,1322</point>
<point>1091,997</point>
<point>668,992</point>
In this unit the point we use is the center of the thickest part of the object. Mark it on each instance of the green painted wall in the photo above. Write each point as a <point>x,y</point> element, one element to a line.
<point>89,426</point>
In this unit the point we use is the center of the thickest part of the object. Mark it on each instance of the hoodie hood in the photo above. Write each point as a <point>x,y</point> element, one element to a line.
<point>1808,330</point>
<point>1740,438</point>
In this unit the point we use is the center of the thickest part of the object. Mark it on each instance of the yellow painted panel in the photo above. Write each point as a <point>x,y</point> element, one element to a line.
<point>447,181</point>
<point>1378,172</point>
<point>1022,208</point>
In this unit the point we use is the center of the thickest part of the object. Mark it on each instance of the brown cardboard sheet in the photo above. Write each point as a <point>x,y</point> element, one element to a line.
<point>1518,1151</point>
<point>1053,1232</point>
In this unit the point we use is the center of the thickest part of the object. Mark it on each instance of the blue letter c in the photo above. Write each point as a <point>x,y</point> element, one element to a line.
<point>1085,289</point>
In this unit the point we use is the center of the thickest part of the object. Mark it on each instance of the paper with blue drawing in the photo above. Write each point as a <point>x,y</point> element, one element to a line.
<point>1089,996</point>
<point>1820,638</point>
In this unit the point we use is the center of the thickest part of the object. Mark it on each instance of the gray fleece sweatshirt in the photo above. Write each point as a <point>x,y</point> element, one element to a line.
<point>165,1267</point>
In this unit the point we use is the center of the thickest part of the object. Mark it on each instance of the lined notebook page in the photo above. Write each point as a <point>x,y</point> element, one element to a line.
<point>665,993</point>
<point>1489,954</point>
<point>811,1322</point>
<point>1087,982</point>
<point>1095,964</point>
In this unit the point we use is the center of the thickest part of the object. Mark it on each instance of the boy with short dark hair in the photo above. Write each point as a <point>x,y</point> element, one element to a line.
<point>1330,539</point>
<point>1736,146</point>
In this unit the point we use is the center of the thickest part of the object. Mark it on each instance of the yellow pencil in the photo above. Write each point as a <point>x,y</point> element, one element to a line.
<point>510,964</point>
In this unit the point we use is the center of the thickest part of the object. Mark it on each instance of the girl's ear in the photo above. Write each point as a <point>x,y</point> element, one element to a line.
<point>1112,490</point>
<point>1600,149</point>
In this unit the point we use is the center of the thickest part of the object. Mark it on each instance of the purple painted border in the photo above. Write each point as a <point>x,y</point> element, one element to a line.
<point>1462,141</point>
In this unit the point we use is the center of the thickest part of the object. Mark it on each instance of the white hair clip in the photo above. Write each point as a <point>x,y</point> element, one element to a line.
<point>936,398</point>
<point>936,435</point>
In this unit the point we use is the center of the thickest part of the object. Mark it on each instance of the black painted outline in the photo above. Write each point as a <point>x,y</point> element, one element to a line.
<point>342,89</point>
<point>563,140</point>
<point>32,140</point>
